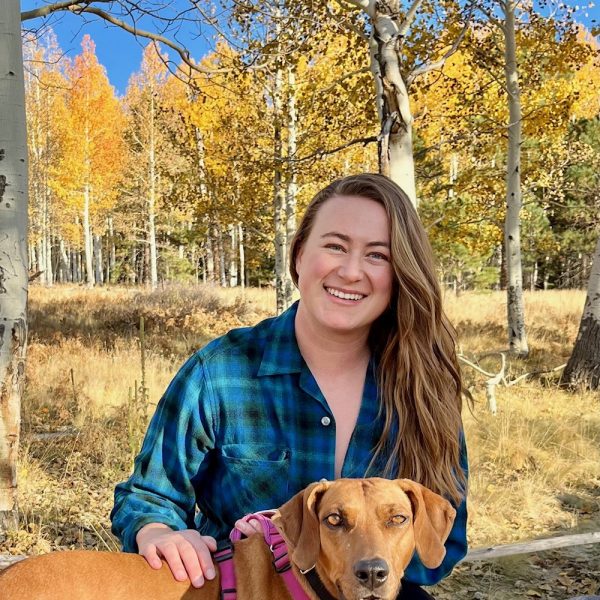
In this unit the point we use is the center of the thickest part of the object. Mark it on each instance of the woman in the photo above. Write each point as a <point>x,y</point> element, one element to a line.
<point>360,377</point>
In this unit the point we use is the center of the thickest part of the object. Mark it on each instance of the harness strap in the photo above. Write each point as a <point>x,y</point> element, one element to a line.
<point>317,585</point>
<point>224,559</point>
<point>281,561</point>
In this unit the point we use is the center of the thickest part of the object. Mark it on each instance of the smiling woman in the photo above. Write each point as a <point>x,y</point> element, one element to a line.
<point>357,378</point>
<point>343,270</point>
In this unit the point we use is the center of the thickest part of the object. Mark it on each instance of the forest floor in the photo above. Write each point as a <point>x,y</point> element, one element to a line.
<point>535,465</point>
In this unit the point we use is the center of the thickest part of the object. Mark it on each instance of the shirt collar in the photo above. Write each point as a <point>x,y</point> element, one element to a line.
<point>281,354</point>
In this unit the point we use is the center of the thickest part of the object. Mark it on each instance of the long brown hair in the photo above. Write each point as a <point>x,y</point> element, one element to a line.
<point>419,378</point>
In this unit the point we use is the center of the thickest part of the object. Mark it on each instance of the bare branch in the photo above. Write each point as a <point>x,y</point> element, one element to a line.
<point>410,17</point>
<point>44,11</point>
<point>79,8</point>
<point>322,152</point>
<point>366,5</point>
<point>440,63</point>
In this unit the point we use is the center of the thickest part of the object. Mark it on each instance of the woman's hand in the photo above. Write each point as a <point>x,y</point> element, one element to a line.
<point>248,527</point>
<point>186,552</point>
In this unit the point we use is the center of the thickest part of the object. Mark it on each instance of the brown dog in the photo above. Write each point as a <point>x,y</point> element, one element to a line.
<point>359,534</point>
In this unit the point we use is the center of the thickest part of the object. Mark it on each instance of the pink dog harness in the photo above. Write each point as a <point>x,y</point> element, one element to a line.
<point>281,561</point>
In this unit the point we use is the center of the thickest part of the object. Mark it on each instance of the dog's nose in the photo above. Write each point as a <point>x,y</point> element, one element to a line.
<point>371,573</point>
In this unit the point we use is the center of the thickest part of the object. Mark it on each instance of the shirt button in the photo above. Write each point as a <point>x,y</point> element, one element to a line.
<point>325,421</point>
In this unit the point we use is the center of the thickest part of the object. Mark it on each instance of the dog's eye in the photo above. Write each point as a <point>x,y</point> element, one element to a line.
<point>398,520</point>
<point>334,520</point>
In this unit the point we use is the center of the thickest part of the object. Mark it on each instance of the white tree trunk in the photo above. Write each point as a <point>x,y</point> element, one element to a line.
<point>233,263</point>
<point>517,339</point>
<point>13,253</point>
<point>292,186</point>
<point>583,368</point>
<point>87,237</point>
<point>112,259</point>
<point>209,258</point>
<point>63,269</point>
<point>242,256</point>
<point>278,188</point>
<point>208,269</point>
<point>395,139</point>
<point>152,201</point>
<point>98,274</point>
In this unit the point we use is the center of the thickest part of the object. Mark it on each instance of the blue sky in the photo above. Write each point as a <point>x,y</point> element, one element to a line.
<point>119,51</point>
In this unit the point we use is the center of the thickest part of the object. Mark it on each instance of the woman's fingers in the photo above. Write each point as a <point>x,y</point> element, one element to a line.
<point>151,556</point>
<point>210,542</point>
<point>248,527</point>
<point>171,552</point>
<point>186,552</point>
<point>193,556</point>
<point>203,549</point>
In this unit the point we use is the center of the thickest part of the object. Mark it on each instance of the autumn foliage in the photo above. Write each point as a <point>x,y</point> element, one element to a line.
<point>175,180</point>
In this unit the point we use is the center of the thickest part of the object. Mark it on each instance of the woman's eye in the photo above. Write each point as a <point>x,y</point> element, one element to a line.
<point>334,520</point>
<point>335,247</point>
<point>398,520</point>
<point>378,256</point>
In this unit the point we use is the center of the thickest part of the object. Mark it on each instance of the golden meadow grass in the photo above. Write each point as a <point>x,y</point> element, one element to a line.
<point>543,445</point>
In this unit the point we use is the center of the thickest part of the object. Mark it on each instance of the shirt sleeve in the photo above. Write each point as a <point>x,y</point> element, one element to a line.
<point>456,544</point>
<point>172,461</point>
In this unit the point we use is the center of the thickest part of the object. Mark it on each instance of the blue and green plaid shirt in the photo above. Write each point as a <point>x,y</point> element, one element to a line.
<point>243,427</point>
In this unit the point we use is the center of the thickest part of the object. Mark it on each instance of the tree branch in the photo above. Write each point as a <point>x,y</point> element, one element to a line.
<point>322,152</point>
<point>44,11</point>
<point>440,63</point>
<point>79,8</point>
<point>410,17</point>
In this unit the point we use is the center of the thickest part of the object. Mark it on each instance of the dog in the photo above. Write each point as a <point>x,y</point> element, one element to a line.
<point>357,535</point>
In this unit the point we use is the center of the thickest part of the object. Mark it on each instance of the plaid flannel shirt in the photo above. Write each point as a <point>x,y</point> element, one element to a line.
<point>243,427</point>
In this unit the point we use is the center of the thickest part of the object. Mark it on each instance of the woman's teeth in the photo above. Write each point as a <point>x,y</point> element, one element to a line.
<point>344,296</point>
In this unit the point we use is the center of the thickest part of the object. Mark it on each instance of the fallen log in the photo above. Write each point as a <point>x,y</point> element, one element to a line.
<point>564,541</point>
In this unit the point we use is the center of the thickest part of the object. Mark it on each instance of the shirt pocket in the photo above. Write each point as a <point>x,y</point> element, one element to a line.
<point>253,477</point>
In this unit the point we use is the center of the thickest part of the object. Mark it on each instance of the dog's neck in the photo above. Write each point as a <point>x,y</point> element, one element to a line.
<point>316,585</point>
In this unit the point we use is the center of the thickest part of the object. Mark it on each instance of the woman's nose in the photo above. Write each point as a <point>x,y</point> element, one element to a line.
<point>351,268</point>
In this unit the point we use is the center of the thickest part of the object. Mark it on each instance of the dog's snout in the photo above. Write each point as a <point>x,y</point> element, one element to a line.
<point>371,573</point>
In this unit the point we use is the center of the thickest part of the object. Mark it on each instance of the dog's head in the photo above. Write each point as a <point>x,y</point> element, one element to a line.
<point>362,533</point>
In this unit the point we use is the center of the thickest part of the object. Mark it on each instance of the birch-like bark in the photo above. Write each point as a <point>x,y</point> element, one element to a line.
<point>292,186</point>
<point>517,339</point>
<point>13,254</point>
<point>278,187</point>
<point>242,256</point>
<point>208,273</point>
<point>152,199</point>
<point>98,274</point>
<point>583,368</point>
<point>112,257</point>
<point>395,139</point>
<point>233,263</point>
<point>209,259</point>
<point>87,236</point>
<point>221,253</point>
<point>64,269</point>
<point>49,270</point>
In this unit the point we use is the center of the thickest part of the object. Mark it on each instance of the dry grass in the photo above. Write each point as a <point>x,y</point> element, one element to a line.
<point>535,467</point>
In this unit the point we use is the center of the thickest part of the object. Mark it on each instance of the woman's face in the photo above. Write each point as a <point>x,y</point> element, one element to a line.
<point>344,266</point>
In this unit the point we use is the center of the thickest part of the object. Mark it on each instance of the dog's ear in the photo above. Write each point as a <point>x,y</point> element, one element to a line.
<point>298,523</point>
<point>433,517</point>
